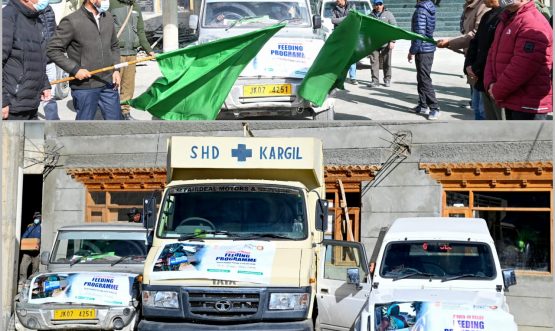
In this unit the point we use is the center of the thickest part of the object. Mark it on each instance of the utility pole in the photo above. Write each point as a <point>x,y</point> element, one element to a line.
<point>169,22</point>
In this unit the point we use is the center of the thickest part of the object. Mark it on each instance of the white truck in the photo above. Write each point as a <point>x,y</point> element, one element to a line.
<point>269,84</point>
<point>238,243</point>
<point>91,281</point>
<point>437,274</point>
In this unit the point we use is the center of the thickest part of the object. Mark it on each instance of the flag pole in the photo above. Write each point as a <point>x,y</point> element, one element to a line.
<point>117,66</point>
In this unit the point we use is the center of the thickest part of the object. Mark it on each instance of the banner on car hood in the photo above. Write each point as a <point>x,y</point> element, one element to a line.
<point>242,261</point>
<point>441,316</point>
<point>284,57</point>
<point>82,287</point>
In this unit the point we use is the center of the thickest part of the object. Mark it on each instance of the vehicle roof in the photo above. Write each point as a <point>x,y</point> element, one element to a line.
<point>438,228</point>
<point>121,226</point>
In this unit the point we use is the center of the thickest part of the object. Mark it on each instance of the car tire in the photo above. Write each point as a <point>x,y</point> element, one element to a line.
<point>61,90</point>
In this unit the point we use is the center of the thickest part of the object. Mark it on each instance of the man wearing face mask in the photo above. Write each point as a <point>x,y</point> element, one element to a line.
<point>519,64</point>
<point>24,80</point>
<point>30,257</point>
<point>88,36</point>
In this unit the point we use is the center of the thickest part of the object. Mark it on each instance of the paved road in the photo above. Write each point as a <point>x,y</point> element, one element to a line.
<point>359,102</point>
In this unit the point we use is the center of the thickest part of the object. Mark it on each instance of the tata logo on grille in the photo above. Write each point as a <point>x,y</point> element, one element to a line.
<point>223,305</point>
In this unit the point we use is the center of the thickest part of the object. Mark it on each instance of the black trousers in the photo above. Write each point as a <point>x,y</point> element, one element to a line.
<point>522,116</point>
<point>426,92</point>
<point>23,115</point>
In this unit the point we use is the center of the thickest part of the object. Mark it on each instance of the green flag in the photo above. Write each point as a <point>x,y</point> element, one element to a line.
<point>196,80</point>
<point>354,38</point>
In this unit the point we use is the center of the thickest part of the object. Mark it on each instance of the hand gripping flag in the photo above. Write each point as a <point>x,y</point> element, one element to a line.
<point>354,38</point>
<point>196,80</point>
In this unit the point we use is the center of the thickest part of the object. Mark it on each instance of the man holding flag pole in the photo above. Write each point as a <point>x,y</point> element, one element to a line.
<point>89,38</point>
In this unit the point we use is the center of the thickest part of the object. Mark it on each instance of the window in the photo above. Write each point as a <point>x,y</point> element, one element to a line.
<point>515,199</point>
<point>113,206</point>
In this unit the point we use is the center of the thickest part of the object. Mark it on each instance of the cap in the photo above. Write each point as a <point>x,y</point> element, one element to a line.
<point>378,2</point>
<point>133,211</point>
<point>37,214</point>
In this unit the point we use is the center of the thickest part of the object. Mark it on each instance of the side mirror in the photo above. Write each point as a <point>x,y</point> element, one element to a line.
<point>353,277</point>
<point>149,212</point>
<point>322,215</point>
<point>316,22</point>
<point>193,22</point>
<point>44,257</point>
<point>509,278</point>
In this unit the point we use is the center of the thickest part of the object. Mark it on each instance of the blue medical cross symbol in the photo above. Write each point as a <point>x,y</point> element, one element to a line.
<point>241,152</point>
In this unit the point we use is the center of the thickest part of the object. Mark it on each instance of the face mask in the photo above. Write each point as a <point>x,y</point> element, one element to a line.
<point>505,3</point>
<point>36,220</point>
<point>104,5</point>
<point>41,5</point>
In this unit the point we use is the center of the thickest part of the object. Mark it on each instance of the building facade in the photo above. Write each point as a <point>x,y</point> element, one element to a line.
<point>375,173</point>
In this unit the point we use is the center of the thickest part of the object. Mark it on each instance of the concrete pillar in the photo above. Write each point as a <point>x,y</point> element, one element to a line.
<point>169,21</point>
<point>13,140</point>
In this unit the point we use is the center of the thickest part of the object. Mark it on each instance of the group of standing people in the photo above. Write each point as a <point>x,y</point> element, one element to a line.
<point>508,47</point>
<point>99,34</point>
<point>508,56</point>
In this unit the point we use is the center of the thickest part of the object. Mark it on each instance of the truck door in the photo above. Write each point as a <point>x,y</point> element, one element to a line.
<point>339,302</point>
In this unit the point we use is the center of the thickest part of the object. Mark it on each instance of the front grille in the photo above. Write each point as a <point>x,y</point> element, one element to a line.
<point>223,305</point>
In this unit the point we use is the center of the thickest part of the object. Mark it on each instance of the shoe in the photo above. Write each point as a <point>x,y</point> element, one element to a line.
<point>420,110</point>
<point>372,84</point>
<point>353,81</point>
<point>127,117</point>
<point>434,115</point>
<point>387,83</point>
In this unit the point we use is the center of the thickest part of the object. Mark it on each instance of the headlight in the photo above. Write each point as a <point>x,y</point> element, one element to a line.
<point>164,299</point>
<point>288,301</point>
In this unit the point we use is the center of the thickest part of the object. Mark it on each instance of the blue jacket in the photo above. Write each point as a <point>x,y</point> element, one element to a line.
<point>424,23</point>
<point>33,231</point>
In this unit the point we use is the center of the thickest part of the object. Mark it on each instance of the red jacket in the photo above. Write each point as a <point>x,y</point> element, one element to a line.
<point>520,61</point>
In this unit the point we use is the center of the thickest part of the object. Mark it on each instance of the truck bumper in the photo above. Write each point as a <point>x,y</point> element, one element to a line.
<point>305,325</point>
<point>33,316</point>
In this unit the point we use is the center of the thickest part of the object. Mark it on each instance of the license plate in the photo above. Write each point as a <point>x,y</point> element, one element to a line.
<point>266,90</point>
<point>74,314</point>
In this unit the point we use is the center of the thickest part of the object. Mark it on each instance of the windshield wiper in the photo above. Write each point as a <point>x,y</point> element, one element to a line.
<point>261,235</point>
<point>242,19</point>
<point>446,279</point>
<point>203,232</point>
<point>412,272</point>
<point>123,258</point>
<point>290,19</point>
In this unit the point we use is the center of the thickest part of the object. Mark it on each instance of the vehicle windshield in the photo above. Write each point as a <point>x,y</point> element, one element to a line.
<point>237,14</point>
<point>438,259</point>
<point>233,211</point>
<point>362,7</point>
<point>99,247</point>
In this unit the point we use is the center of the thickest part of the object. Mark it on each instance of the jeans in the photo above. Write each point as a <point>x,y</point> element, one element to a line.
<point>478,105</point>
<point>353,71</point>
<point>86,101</point>
<point>50,106</point>
<point>426,92</point>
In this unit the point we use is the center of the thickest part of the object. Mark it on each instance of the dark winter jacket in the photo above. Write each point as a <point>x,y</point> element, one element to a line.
<point>48,19</point>
<point>23,58</point>
<point>133,34</point>
<point>477,53</point>
<point>87,47</point>
<point>424,23</point>
<point>33,231</point>
<point>338,14</point>
<point>520,61</point>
